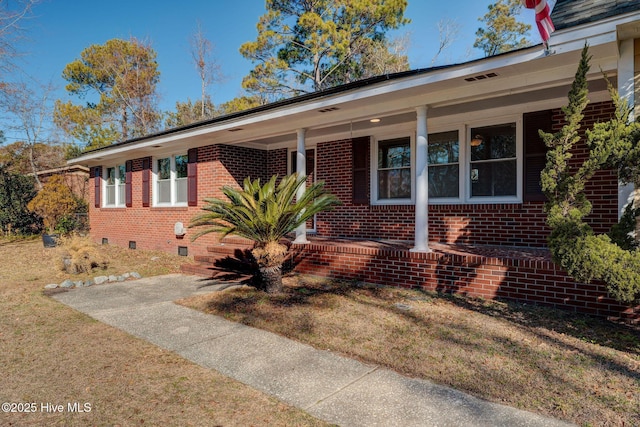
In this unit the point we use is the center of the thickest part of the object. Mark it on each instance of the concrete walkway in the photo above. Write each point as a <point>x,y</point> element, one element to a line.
<point>327,386</point>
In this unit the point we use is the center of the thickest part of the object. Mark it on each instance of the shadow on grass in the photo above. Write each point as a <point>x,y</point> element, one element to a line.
<point>528,363</point>
<point>593,330</point>
<point>252,305</point>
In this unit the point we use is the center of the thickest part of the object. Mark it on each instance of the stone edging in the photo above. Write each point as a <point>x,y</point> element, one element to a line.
<point>98,280</point>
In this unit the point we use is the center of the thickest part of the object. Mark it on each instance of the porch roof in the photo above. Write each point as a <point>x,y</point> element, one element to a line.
<point>495,84</point>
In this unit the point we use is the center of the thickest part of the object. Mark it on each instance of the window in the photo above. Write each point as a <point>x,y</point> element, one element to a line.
<point>115,182</point>
<point>444,165</point>
<point>493,161</point>
<point>181,179</point>
<point>122,182</point>
<point>393,174</point>
<point>170,175</point>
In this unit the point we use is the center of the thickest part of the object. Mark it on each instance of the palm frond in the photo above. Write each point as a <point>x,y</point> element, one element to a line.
<point>263,213</point>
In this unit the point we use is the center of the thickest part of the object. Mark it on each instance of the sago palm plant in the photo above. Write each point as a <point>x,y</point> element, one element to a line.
<point>265,214</point>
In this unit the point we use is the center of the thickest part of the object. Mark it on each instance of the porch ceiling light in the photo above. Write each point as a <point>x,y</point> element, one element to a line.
<point>476,140</point>
<point>376,120</point>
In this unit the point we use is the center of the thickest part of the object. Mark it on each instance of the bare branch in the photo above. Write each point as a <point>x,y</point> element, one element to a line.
<point>448,31</point>
<point>208,68</point>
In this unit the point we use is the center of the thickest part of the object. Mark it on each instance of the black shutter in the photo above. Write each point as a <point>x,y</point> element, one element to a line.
<point>146,175</point>
<point>535,152</point>
<point>360,170</point>
<point>128,189</point>
<point>97,184</point>
<point>192,177</point>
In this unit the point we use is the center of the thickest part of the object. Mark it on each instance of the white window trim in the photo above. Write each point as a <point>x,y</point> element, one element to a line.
<point>517,119</point>
<point>374,169</point>
<point>462,158</point>
<point>117,186</point>
<point>295,150</point>
<point>173,177</point>
<point>464,134</point>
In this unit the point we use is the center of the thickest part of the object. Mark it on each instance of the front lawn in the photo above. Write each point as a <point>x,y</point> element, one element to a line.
<point>52,355</point>
<point>568,366</point>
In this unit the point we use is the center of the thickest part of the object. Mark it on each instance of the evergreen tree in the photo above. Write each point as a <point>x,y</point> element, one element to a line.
<point>121,77</point>
<point>572,242</point>
<point>303,44</point>
<point>502,32</point>
<point>16,191</point>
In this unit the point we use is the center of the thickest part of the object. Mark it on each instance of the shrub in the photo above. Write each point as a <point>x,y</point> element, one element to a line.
<point>15,193</point>
<point>614,258</point>
<point>54,202</point>
<point>79,255</point>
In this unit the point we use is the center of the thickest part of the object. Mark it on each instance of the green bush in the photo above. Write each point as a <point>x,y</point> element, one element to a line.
<point>573,245</point>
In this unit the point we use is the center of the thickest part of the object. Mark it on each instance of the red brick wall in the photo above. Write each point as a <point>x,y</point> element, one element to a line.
<point>529,280</point>
<point>520,224</point>
<point>153,228</point>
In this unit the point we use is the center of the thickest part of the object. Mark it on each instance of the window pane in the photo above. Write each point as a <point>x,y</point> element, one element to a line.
<point>493,178</point>
<point>443,148</point>
<point>394,184</point>
<point>122,174</point>
<point>444,181</point>
<point>181,166</point>
<point>181,190</point>
<point>121,194</point>
<point>164,168</point>
<point>164,191</point>
<point>394,153</point>
<point>111,176</point>
<point>496,142</point>
<point>111,195</point>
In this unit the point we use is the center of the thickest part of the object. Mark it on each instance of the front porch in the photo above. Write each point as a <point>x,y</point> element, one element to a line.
<point>519,274</point>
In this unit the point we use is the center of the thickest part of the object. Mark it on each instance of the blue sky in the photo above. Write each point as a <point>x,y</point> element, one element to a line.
<point>61,29</point>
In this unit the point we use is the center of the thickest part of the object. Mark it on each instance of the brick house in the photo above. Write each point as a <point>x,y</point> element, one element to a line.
<point>436,169</point>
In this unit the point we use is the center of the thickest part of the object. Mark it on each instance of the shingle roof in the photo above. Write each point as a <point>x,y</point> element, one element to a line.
<point>569,13</point>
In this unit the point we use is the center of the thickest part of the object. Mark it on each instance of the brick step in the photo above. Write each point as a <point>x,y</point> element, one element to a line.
<point>240,251</point>
<point>227,260</point>
<point>211,272</point>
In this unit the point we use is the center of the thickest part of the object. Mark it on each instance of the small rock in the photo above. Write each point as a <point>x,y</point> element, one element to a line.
<point>99,280</point>
<point>79,284</point>
<point>403,307</point>
<point>89,282</point>
<point>51,286</point>
<point>67,284</point>
<point>112,278</point>
<point>135,275</point>
<point>120,278</point>
<point>126,275</point>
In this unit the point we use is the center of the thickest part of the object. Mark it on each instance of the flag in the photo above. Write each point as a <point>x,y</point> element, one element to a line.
<point>543,16</point>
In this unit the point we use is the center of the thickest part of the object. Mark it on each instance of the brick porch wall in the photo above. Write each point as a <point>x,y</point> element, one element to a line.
<point>536,281</point>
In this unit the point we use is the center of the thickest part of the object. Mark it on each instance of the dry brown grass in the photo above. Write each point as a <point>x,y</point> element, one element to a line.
<point>567,366</point>
<point>79,254</point>
<point>51,353</point>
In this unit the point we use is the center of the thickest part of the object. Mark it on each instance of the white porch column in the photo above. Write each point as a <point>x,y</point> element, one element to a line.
<point>627,89</point>
<point>421,243</point>
<point>301,168</point>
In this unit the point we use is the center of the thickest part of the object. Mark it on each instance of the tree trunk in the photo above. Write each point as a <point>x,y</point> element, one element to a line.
<point>34,169</point>
<point>271,279</point>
